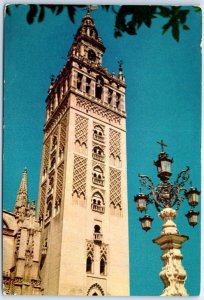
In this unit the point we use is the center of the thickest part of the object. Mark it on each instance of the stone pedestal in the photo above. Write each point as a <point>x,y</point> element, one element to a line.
<point>172,274</point>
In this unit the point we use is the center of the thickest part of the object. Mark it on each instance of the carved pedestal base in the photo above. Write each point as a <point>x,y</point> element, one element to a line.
<point>173,274</point>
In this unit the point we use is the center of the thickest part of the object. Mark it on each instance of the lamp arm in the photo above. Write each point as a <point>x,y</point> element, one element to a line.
<point>182,177</point>
<point>146,181</point>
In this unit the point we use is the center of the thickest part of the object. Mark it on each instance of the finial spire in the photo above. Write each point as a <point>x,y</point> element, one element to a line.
<point>120,73</point>
<point>90,8</point>
<point>22,196</point>
<point>120,63</point>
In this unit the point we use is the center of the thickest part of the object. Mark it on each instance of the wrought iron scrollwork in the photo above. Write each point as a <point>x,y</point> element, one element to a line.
<point>166,194</point>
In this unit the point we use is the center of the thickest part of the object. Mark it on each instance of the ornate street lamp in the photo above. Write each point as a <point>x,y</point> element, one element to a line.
<point>167,198</point>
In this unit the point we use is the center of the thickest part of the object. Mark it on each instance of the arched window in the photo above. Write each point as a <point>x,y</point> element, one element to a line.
<point>91,55</point>
<point>97,203</point>
<point>102,266</point>
<point>97,229</point>
<point>98,153</point>
<point>88,85</point>
<point>97,234</point>
<point>89,263</point>
<point>98,177</point>
<point>110,95</point>
<point>79,81</point>
<point>99,87</point>
<point>98,133</point>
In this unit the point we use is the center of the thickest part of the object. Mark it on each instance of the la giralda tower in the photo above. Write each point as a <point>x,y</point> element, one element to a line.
<point>82,204</point>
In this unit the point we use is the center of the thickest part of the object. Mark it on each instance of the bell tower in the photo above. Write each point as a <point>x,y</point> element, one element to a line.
<point>82,206</point>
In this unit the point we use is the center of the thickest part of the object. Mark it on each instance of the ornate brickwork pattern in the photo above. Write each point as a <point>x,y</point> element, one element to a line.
<point>90,249</point>
<point>60,172</point>
<point>79,176</point>
<point>115,187</point>
<point>115,143</point>
<point>81,129</point>
<point>91,107</point>
<point>104,251</point>
<point>46,154</point>
<point>42,199</point>
<point>63,133</point>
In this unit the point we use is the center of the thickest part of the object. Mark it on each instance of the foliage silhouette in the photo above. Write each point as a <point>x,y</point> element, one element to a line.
<point>128,18</point>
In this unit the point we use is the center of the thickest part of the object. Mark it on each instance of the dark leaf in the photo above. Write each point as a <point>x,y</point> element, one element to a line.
<point>164,11</point>
<point>106,7</point>
<point>117,33</point>
<point>51,7</point>
<point>131,28</point>
<point>71,12</point>
<point>42,14</point>
<point>8,12</point>
<point>197,9</point>
<point>185,27</point>
<point>32,13</point>
<point>175,31</point>
<point>183,15</point>
<point>166,27</point>
<point>59,9</point>
<point>148,23</point>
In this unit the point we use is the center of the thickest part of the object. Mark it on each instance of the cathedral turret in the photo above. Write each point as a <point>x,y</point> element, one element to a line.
<point>22,195</point>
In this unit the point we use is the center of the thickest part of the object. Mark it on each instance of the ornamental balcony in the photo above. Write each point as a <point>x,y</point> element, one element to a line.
<point>98,137</point>
<point>98,157</point>
<point>98,181</point>
<point>97,237</point>
<point>98,208</point>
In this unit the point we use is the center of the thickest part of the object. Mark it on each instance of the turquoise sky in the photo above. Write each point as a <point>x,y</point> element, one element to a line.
<point>163,101</point>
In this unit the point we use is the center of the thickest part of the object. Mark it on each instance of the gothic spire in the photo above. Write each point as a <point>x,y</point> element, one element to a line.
<point>22,196</point>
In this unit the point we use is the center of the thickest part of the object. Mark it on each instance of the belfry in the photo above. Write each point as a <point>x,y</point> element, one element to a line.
<point>81,234</point>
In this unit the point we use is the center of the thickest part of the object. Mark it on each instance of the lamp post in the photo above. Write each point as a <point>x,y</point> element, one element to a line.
<point>167,197</point>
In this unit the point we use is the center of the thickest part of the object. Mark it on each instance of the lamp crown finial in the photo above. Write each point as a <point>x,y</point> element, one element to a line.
<point>162,145</point>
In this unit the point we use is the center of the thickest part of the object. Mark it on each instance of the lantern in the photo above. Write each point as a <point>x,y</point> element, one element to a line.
<point>146,222</point>
<point>192,196</point>
<point>141,202</point>
<point>192,217</point>
<point>163,166</point>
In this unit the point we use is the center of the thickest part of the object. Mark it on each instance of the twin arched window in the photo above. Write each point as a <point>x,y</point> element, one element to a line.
<point>98,177</point>
<point>97,203</point>
<point>98,133</point>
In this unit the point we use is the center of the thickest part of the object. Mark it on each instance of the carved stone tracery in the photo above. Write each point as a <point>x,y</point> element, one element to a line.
<point>79,175</point>
<point>81,130</point>
<point>115,188</point>
<point>115,143</point>
<point>92,107</point>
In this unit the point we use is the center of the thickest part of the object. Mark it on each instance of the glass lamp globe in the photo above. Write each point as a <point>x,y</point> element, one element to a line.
<point>141,202</point>
<point>146,222</point>
<point>192,196</point>
<point>192,217</point>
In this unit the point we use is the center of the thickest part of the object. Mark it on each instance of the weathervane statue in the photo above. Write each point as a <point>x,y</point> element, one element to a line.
<point>167,198</point>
